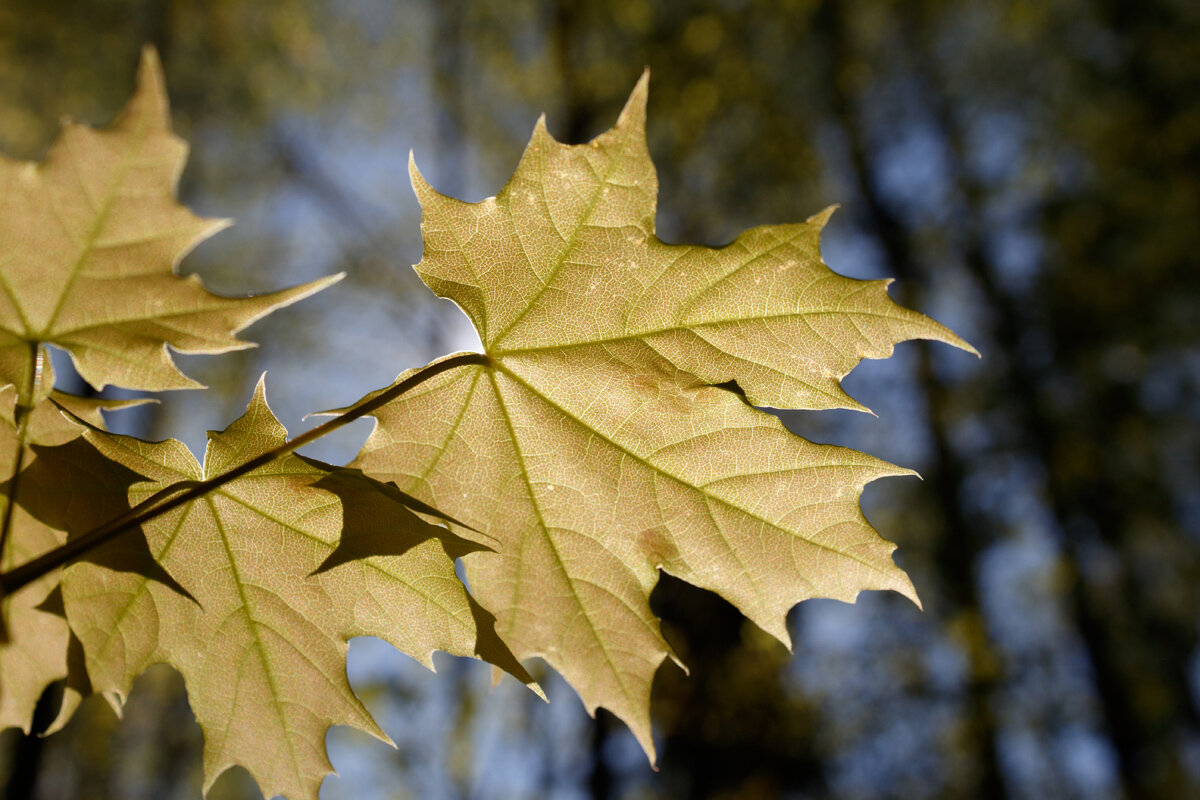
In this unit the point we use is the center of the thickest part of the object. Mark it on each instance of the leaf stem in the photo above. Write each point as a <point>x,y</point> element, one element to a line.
<point>158,505</point>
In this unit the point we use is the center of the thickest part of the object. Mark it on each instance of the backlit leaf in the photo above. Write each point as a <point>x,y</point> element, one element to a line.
<point>89,240</point>
<point>35,654</point>
<point>592,449</point>
<point>262,647</point>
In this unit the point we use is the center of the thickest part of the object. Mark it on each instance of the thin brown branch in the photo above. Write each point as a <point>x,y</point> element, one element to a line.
<point>21,576</point>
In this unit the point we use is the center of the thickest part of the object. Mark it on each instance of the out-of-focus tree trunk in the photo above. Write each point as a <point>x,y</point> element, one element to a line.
<point>961,538</point>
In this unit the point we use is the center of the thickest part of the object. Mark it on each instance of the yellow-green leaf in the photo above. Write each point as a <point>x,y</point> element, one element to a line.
<point>262,646</point>
<point>592,449</point>
<point>89,241</point>
<point>566,257</point>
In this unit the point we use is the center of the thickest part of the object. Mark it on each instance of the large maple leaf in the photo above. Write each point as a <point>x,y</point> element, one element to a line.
<point>89,240</point>
<point>592,446</point>
<point>273,562</point>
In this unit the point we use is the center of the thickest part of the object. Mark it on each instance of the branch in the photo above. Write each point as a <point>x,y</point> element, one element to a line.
<point>158,505</point>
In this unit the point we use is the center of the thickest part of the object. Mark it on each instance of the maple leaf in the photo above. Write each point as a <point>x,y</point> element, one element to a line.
<point>262,646</point>
<point>89,240</point>
<point>592,447</point>
<point>34,654</point>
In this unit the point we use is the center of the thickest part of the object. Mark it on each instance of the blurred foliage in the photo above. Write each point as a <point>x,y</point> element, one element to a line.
<point>1030,171</point>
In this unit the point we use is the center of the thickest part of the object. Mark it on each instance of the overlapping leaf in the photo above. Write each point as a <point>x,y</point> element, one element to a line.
<point>88,244</point>
<point>262,646</point>
<point>35,652</point>
<point>89,241</point>
<point>592,448</point>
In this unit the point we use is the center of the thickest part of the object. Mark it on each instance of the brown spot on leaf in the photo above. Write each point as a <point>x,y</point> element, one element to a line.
<point>657,545</point>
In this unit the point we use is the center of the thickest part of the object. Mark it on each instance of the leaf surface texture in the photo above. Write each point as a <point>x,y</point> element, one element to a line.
<point>53,494</point>
<point>593,449</point>
<point>262,647</point>
<point>89,240</point>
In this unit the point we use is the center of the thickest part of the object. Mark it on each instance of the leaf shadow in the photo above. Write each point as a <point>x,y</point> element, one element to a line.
<point>380,520</point>
<point>77,684</point>
<point>76,488</point>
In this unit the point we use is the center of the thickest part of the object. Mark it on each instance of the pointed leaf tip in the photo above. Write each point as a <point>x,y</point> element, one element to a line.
<point>151,90</point>
<point>149,64</point>
<point>634,111</point>
<point>541,131</point>
<point>260,392</point>
<point>822,217</point>
<point>149,57</point>
<point>422,188</point>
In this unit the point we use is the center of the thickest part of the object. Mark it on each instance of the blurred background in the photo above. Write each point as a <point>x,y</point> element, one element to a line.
<point>1029,171</point>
